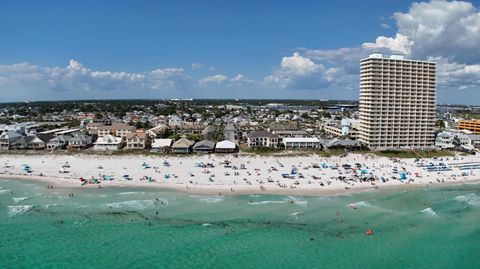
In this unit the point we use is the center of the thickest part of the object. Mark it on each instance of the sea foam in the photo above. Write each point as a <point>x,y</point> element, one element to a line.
<point>214,199</point>
<point>429,212</point>
<point>363,204</point>
<point>17,200</point>
<point>16,210</point>
<point>4,191</point>
<point>130,192</point>
<point>297,200</point>
<point>50,205</point>
<point>470,199</point>
<point>135,204</point>
<point>268,202</point>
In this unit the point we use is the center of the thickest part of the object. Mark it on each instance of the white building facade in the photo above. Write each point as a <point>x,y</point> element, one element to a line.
<point>397,103</point>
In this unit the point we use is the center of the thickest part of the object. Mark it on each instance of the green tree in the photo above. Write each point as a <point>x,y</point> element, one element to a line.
<point>440,124</point>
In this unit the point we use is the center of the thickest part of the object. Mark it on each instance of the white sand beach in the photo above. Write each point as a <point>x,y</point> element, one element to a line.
<point>245,174</point>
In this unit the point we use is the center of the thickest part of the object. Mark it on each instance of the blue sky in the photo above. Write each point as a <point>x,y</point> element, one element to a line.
<point>225,49</point>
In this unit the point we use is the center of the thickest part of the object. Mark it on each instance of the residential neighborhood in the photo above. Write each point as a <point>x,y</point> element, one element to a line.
<point>206,126</point>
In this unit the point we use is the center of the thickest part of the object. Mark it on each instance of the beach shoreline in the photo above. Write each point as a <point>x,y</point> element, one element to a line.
<point>185,175</point>
<point>209,190</point>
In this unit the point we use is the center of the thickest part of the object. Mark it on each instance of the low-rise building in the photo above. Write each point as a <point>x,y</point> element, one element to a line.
<point>473,126</point>
<point>226,146</point>
<point>79,140</point>
<point>301,142</point>
<point>204,146</point>
<point>182,145</point>
<point>157,131</point>
<point>174,121</point>
<point>39,141</point>
<point>444,140</point>
<point>92,127</point>
<point>137,141</point>
<point>58,142</point>
<point>116,129</point>
<point>21,143</point>
<point>109,142</point>
<point>343,128</point>
<point>474,140</point>
<point>161,145</point>
<point>449,139</point>
<point>7,138</point>
<point>262,139</point>
<point>341,143</point>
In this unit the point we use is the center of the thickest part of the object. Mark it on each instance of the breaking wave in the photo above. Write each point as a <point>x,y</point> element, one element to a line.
<point>429,212</point>
<point>2,191</point>
<point>212,199</point>
<point>296,200</point>
<point>16,210</point>
<point>363,204</point>
<point>130,192</point>
<point>134,204</point>
<point>268,202</point>
<point>51,205</point>
<point>470,199</point>
<point>17,200</point>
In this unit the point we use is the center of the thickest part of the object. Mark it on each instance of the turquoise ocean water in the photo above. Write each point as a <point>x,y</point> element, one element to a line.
<point>144,228</point>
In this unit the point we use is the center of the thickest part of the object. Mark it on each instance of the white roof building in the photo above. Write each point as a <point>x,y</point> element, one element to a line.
<point>108,142</point>
<point>301,142</point>
<point>161,143</point>
<point>225,146</point>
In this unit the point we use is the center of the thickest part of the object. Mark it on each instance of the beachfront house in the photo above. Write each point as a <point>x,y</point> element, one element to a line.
<point>79,140</point>
<point>39,141</point>
<point>226,146</point>
<point>474,140</point>
<point>262,139</point>
<point>7,138</point>
<point>109,142</point>
<point>204,146</point>
<point>444,140</point>
<point>20,143</point>
<point>161,145</point>
<point>341,144</point>
<point>58,142</point>
<point>301,142</point>
<point>137,141</point>
<point>182,145</point>
<point>116,129</point>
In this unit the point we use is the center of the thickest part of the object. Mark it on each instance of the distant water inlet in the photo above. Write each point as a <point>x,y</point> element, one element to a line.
<point>143,228</point>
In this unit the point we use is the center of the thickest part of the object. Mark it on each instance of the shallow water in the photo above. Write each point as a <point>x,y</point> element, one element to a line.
<point>141,228</point>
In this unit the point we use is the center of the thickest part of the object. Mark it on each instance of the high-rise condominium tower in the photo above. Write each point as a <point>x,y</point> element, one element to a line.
<point>397,103</point>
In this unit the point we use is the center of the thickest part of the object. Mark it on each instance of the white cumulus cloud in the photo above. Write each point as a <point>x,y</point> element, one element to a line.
<point>301,72</point>
<point>219,79</point>
<point>215,79</point>
<point>241,79</point>
<point>28,80</point>
<point>397,44</point>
